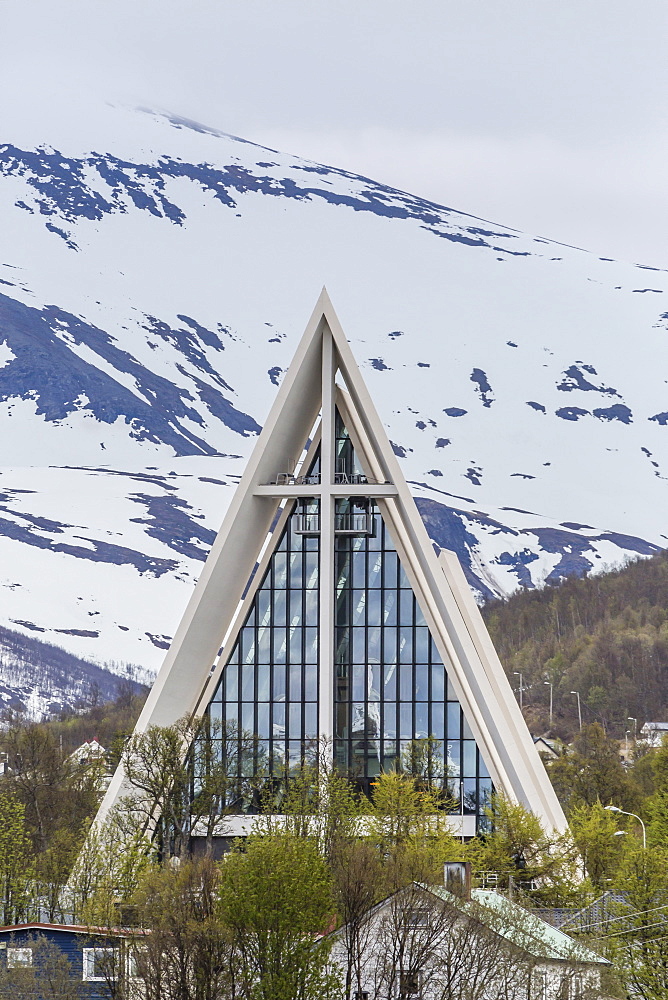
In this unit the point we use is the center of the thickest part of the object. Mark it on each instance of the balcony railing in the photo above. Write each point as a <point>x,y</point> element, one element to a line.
<point>358,523</point>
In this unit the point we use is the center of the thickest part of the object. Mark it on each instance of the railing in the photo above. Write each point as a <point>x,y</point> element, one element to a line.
<point>361,523</point>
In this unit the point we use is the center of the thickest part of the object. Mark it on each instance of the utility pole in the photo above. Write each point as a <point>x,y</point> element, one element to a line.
<point>635,728</point>
<point>519,674</point>
<point>551,686</point>
<point>577,695</point>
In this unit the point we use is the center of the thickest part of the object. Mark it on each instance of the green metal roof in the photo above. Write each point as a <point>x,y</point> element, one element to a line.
<point>520,927</point>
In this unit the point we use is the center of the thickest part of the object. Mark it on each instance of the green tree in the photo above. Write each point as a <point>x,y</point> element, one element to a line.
<point>17,865</point>
<point>276,896</point>
<point>593,772</point>
<point>523,854</point>
<point>602,852</point>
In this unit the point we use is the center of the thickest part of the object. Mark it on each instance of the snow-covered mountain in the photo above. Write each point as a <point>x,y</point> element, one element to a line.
<point>155,277</point>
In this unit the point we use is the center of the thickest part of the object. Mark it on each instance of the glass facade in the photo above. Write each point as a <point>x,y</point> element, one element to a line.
<point>394,704</point>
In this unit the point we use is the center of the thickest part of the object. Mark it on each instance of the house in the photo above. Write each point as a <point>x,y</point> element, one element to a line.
<point>430,943</point>
<point>653,733</point>
<point>84,959</point>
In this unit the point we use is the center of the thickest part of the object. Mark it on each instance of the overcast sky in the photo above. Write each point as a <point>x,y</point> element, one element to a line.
<point>546,115</point>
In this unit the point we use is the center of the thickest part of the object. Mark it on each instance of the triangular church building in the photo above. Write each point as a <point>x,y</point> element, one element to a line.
<point>324,614</point>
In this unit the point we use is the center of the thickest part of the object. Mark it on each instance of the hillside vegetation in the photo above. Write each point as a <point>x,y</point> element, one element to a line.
<point>604,636</point>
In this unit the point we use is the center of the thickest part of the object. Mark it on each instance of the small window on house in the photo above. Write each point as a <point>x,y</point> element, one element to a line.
<point>135,963</point>
<point>19,958</point>
<point>409,984</point>
<point>419,918</point>
<point>100,964</point>
<point>539,986</point>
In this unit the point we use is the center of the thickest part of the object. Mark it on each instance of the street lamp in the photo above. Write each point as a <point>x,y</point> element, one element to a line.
<point>577,695</point>
<point>518,674</point>
<point>550,685</point>
<point>635,727</point>
<point>616,809</point>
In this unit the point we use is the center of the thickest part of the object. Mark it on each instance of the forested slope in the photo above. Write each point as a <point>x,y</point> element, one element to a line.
<point>604,636</point>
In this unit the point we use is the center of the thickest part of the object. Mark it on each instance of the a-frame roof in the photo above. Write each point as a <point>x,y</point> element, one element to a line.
<point>192,665</point>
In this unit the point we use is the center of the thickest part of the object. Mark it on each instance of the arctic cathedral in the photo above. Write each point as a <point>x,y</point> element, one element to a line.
<point>324,618</point>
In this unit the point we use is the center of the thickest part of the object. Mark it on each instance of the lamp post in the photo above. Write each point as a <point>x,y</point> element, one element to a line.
<point>550,685</point>
<point>635,728</point>
<point>616,809</point>
<point>577,695</point>
<point>627,734</point>
<point>519,674</point>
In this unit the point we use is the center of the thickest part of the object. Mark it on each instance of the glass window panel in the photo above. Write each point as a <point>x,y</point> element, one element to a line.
<point>248,644</point>
<point>280,570</point>
<point>435,655</point>
<point>374,607</point>
<point>390,607</point>
<point>482,767</point>
<point>373,682</point>
<point>421,682</point>
<point>470,795</point>
<point>406,644</point>
<point>358,606</point>
<point>359,569</point>
<point>421,720</point>
<point>373,645</point>
<point>358,650</point>
<point>484,794</point>
<point>406,682</point>
<point>469,758</point>
<point>342,720</point>
<point>311,568</point>
<point>406,607</point>
<point>295,682</point>
<point>280,645</point>
<point>419,617</point>
<point>247,721</point>
<point>390,645</point>
<point>263,721</point>
<point>421,645</point>
<point>342,645</point>
<point>296,637</point>
<point>390,758</point>
<point>357,720</point>
<point>310,720</point>
<point>232,712</point>
<point>263,606</point>
<point>375,567</point>
<point>231,682</point>
<point>390,720</point>
<point>295,723</point>
<point>454,759</point>
<point>452,694</point>
<point>437,721</point>
<point>263,673</point>
<point>278,683</point>
<point>466,729</point>
<point>437,682</point>
<point>453,720</point>
<point>263,756</point>
<point>248,681</point>
<point>406,721</point>
<point>390,682</point>
<point>295,613</point>
<point>279,610</point>
<point>403,579</point>
<point>359,682</point>
<point>278,712</point>
<point>264,646</point>
<point>296,578</point>
<point>216,715</point>
<point>310,645</point>
<point>311,607</point>
<point>390,569</point>
<point>374,541</point>
<point>311,682</point>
